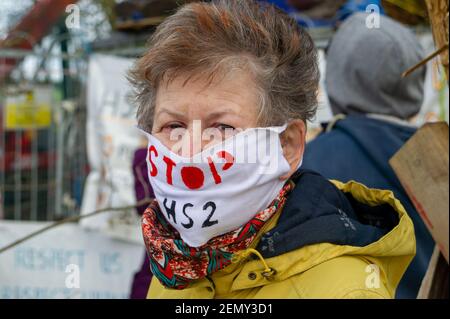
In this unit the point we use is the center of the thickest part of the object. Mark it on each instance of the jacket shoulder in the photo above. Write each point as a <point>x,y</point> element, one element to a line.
<point>343,277</point>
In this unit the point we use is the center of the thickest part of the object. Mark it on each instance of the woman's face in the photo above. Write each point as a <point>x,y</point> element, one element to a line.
<point>194,115</point>
<point>191,116</point>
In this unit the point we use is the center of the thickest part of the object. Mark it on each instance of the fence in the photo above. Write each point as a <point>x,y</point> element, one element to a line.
<point>43,162</point>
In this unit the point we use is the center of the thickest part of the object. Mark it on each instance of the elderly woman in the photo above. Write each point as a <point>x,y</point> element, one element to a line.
<point>221,81</point>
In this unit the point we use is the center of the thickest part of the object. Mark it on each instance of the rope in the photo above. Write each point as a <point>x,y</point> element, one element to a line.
<point>70,220</point>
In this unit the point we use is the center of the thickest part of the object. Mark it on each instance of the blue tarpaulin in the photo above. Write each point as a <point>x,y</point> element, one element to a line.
<point>350,7</point>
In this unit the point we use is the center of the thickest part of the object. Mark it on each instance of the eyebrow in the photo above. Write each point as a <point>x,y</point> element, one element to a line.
<point>218,114</point>
<point>213,115</point>
<point>171,113</point>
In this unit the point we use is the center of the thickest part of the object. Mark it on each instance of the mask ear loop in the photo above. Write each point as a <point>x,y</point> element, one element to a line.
<point>140,129</point>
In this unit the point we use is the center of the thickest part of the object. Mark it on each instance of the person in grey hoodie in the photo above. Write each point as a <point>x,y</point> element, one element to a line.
<point>372,105</point>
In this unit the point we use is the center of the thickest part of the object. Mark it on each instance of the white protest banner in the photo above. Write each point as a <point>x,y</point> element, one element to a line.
<point>67,262</point>
<point>112,139</point>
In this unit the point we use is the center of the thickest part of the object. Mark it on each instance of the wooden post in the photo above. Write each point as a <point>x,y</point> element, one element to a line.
<point>438,12</point>
<point>422,166</point>
<point>435,283</point>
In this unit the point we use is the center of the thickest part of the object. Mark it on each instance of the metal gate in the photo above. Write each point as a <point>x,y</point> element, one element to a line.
<point>43,162</point>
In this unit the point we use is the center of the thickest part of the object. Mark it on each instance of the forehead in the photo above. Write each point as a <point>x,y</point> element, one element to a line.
<point>235,90</point>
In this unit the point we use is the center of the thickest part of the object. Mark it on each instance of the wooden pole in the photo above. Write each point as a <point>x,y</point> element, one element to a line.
<point>438,12</point>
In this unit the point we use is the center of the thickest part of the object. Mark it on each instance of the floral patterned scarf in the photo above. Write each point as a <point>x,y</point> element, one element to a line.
<point>176,264</point>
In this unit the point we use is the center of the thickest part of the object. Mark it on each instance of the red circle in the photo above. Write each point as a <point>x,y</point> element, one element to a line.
<point>193,177</point>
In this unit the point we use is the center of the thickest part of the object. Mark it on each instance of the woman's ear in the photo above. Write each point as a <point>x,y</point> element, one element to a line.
<point>293,142</point>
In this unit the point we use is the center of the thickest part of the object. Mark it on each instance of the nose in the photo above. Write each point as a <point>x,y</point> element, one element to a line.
<point>195,139</point>
<point>192,143</point>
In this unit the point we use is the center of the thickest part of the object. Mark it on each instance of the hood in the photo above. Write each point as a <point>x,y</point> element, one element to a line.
<point>317,212</point>
<point>358,138</point>
<point>365,66</point>
<point>322,220</point>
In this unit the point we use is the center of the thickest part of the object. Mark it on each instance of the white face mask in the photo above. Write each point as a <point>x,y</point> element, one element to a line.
<point>221,188</point>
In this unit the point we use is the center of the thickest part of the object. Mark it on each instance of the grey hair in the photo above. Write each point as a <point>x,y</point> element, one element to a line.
<point>211,39</point>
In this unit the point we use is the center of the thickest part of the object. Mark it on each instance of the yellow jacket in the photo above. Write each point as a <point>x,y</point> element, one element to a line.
<point>315,271</point>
